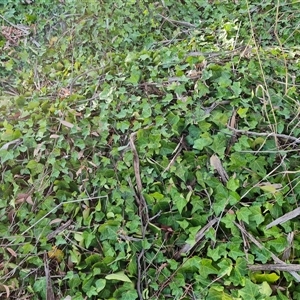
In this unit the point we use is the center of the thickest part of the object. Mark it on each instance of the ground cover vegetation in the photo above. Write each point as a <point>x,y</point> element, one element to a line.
<point>149,149</point>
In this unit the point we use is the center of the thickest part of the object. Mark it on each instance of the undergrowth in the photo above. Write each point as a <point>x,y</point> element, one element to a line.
<point>148,149</point>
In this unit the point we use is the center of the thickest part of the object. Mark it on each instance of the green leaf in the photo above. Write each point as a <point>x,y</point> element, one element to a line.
<point>239,272</point>
<point>178,199</point>
<point>258,277</point>
<point>217,293</point>
<point>256,215</point>
<point>129,295</point>
<point>206,268</point>
<point>6,155</point>
<point>242,112</point>
<point>225,267</point>
<point>250,291</point>
<point>203,142</point>
<point>233,184</point>
<point>278,245</point>
<point>236,88</point>
<point>243,214</point>
<point>119,276</point>
<point>265,289</point>
<point>100,284</point>
<point>219,144</point>
<point>135,76</point>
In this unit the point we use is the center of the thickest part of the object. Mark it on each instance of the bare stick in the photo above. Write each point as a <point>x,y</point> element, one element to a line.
<point>143,214</point>
<point>260,246</point>
<point>200,234</point>
<point>186,24</point>
<point>49,289</point>
<point>275,267</point>
<point>288,216</point>
<point>270,134</point>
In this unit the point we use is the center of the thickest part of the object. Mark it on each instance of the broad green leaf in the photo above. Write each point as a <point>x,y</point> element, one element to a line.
<point>217,252</point>
<point>233,184</point>
<point>278,245</point>
<point>225,267</point>
<point>129,295</point>
<point>217,294</point>
<point>183,224</point>
<point>250,291</point>
<point>235,249</point>
<point>236,88</point>
<point>100,284</point>
<point>258,277</point>
<point>243,214</point>
<point>256,215</point>
<point>206,268</point>
<point>178,199</point>
<point>203,142</point>
<point>271,188</point>
<point>239,272</point>
<point>219,144</point>
<point>265,289</point>
<point>119,276</point>
<point>242,112</point>
<point>192,264</point>
<point>6,155</point>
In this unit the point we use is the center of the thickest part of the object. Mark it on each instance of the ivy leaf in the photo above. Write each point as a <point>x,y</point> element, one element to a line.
<point>236,88</point>
<point>279,244</point>
<point>233,184</point>
<point>129,295</point>
<point>178,199</point>
<point>265,289</point>
<point>135,76</point>
<point>250,291</point>
<point>217,293</point>
<point>204,141</point>
<point>119,276</point>
<point>6,155</point>
<point>100,284</point>
<point>206,268</point>
<point>256,215</point>
<point>243,214</point>
<point>258,277</point>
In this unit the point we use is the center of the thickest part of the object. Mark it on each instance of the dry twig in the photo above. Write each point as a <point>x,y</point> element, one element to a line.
<point>182,23</point>
<point>288,216</point>
<point>200,234</point>
<point>260,246</point>
<point>49,289</point>
<point>266,134</point>
<point>215,162</point>
<point>143,213</point>
<point>275,267</point>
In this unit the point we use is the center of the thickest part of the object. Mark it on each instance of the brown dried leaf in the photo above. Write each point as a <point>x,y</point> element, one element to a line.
<point>54,136</point>
<point>12,252</point>
<point>55,221</point>
<point>29,200</point>
<point>7,290</point>
<point>67,124</point>
<point>215,162</point>
<point>21,197</point>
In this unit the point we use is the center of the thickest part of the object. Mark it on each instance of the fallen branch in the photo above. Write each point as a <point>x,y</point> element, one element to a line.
<point>143,214</point>
<point>177,152</point>
<point>288,216</point>
<point>260,246</point>
<point>199,236</point>
<point>49,288</point>
<point>215,162</point>
<point>186,24</point>
<point>270,134</point>
<point>275,267</point>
